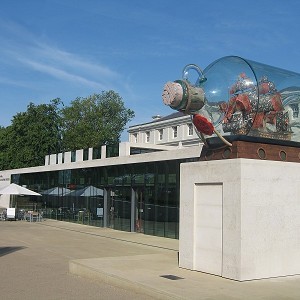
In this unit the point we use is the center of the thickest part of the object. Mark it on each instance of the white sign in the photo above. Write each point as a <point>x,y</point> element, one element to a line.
<point>99,211</point>
<point>11,213</point>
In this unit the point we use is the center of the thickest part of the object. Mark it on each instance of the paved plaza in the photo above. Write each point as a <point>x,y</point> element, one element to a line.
<point>60,260</point>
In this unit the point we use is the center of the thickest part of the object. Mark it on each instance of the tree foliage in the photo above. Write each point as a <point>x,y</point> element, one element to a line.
<point>4,145</point>
<point>51,128</point>
<point>96,120</point>
<point>32,135</point>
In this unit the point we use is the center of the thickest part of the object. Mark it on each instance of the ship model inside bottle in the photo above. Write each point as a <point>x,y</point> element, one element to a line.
<point>256,110</point>
<point>234,99</point>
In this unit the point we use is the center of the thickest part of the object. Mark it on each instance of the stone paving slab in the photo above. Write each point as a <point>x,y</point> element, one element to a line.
<point>149,274</point>
<point>158,274</point>
<point>60,260</point>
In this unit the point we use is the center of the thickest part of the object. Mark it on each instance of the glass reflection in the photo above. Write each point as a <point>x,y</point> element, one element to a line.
<point>140,197</point>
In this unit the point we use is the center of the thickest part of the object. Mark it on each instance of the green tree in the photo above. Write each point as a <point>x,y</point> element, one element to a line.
<point>95,120</point>
<point>33,134</point>
<point>4,145</point>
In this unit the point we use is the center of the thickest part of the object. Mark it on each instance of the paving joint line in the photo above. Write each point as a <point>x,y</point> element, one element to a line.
<point>112,238</point>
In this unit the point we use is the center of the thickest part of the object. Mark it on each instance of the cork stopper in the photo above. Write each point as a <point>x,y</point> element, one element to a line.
<point>172,94</point>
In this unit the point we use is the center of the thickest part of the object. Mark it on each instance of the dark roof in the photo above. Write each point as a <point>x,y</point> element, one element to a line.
<point>174,115</point>
<point>177,114</point>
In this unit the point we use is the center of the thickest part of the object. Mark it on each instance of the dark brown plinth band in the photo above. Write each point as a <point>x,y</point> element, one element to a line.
<point>252,150</point>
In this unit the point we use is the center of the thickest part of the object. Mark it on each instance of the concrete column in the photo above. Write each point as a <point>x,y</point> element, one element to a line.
<point>133,211</point>
<point>79,155</point>
<point>103,151</point>
<point>53,159</point>
<point>124,149</point>
<point>68,157</point>
<point>105,208</point>
<point>90,153</point>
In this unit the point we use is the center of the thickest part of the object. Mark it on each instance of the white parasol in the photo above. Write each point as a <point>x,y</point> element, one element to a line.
<point>14,189</point>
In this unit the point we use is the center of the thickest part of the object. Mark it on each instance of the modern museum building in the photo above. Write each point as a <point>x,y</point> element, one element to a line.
<point>132,186</point>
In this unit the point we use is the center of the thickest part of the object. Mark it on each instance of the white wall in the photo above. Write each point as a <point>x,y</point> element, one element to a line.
<point>4,181</point>
<point>260,218</point>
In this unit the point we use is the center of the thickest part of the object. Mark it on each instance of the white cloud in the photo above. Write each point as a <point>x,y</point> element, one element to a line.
<point>61,74</point>
<point>24,51</point>
<point>68,59</point>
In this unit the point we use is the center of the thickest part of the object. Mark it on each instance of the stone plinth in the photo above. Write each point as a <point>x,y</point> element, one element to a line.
<point>240,218</point>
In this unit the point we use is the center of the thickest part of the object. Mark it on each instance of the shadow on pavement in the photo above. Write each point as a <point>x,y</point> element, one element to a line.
<point>8,250</point>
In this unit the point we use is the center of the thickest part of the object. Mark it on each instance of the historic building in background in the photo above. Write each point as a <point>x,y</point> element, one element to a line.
<point>174,130</point>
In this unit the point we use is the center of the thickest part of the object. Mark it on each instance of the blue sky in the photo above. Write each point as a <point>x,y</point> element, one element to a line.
<point>69,48</point>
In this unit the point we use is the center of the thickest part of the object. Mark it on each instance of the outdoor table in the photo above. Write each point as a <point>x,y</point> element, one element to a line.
<point>33,216</point>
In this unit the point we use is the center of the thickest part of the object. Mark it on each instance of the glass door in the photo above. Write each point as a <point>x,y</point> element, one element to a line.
<point>119,208</point>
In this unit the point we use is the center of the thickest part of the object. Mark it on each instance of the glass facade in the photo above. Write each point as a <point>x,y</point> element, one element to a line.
<point>97,152</point>
<point>140,197</point>
<point>85,154</point>
<point>73,156</point>
<point>112,150</point>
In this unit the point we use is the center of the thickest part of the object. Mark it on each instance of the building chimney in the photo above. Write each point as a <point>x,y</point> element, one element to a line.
<point>156,117</point>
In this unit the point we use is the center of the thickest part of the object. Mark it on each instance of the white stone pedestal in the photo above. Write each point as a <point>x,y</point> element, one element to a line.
<point>240,218</point>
